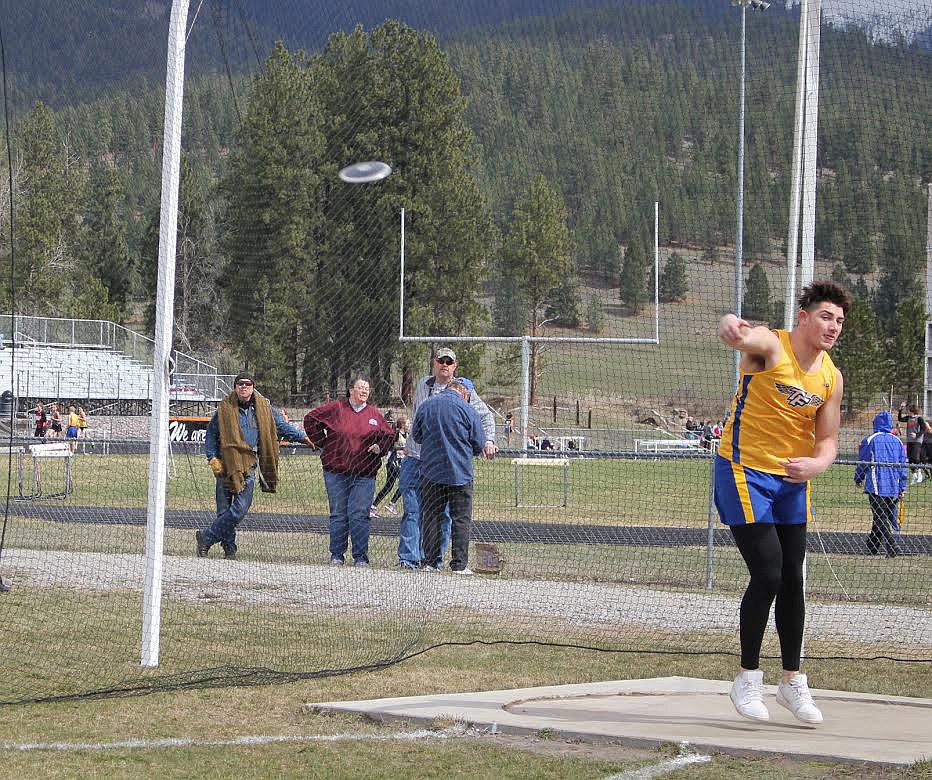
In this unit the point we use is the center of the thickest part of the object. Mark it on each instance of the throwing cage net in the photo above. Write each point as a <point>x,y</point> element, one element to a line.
<point>562,213</point>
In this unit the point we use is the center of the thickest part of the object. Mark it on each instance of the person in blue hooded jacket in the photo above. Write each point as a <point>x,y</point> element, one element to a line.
<point>884,484</point>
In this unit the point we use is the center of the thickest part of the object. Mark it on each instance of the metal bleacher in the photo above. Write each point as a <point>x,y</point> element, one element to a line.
<point>50,358</point>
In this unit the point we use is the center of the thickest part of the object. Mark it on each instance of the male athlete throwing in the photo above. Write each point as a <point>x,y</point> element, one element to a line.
<point>782,432</point>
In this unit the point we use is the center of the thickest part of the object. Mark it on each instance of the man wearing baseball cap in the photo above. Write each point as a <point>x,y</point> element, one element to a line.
<point>241,444</point>
<point>443,372</point>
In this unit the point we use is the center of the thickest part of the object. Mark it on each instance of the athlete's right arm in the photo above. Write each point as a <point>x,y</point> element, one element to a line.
<point>739,334</point>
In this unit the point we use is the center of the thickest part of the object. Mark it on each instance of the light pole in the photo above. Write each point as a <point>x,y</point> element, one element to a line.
<point>757,5</point>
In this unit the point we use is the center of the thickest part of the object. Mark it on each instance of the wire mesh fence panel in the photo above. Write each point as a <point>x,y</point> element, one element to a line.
<point>554,201</point>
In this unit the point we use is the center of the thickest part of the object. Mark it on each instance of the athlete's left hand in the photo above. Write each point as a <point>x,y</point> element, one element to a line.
<point>802,469</point>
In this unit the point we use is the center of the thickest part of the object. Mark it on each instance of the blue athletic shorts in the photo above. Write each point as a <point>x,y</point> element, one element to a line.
<point>744,495</point>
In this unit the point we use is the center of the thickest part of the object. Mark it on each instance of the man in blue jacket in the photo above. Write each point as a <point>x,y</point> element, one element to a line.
<point>450,433</point>
<point>884,484</point>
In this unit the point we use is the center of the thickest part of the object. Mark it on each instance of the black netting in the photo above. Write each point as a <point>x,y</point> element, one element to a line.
<point>561,210</point>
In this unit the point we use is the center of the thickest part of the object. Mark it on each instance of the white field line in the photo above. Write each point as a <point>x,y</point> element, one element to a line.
<point>685,758</point>
<point>245,741</point>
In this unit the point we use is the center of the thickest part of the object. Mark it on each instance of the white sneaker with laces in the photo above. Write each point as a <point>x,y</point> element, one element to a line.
<point>795,696</point>
<point>467,570</point>
<point>747,694</point>
<point>373,512</point>
<point>390,508</point>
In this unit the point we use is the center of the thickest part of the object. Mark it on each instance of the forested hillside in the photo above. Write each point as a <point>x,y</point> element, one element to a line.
<point>61,51</point>
<point>578,121</point>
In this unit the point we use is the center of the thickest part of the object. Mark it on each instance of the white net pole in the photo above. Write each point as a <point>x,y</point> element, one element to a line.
<point>811,138</point>
<point>165,302</point>
<point>792,238</point>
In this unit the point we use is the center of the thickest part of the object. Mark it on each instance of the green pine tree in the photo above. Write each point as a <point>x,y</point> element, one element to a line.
<point>860,355</point>
<point>536,256</point>
<point>50,184</point>
<point>595,314</point>
<point>632,284</point>
<point>673,282</point>
<point>906,346</point>
<point>757,305</point>
<point>271,216</point>
<point>104,250</point>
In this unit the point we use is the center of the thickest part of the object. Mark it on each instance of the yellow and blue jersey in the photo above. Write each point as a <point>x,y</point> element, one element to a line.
<point>773,413</point>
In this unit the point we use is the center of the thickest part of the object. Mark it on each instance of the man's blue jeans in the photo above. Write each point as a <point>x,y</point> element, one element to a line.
<point>409,530</point>
<point>231,509</point>
<point>349,496</point>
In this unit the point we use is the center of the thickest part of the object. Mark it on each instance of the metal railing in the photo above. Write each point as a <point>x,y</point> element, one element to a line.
<point>103,334</point>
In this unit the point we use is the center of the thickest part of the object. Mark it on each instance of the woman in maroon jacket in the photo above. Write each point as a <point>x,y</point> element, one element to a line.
<point>354,436</point>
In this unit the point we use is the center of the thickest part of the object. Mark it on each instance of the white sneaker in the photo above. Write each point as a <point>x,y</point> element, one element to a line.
<point>467,570</point>
<point>373,512</point>
<point>920,475</point>
<point>747,694</point>
<point>795,696</point>
<point>391,509</point>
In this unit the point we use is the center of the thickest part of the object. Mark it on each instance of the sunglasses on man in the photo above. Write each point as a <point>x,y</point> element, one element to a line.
<point>445,361</point>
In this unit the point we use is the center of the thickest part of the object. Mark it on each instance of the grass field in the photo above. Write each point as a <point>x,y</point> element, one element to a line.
<point>601,491</point>
<point>88,636</point>
<point>620,493</point>
<point>276,710</point>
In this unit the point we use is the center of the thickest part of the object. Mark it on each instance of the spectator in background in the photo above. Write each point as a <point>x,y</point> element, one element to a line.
<point>546,444</point>
<point>241,444</point>
<point>916,430</point>
<point>42,421</point>
<point>83,429</point>
<point>692,428</point>
<point>450,433</point>
<point>392,468</point>
<point>55,421</point>
<point>509,427</point>
<point>354,437</point>
<point>884,485</point>
<point>72,433</point>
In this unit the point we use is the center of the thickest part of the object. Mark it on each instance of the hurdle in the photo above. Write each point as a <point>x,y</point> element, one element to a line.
<point>563,463</point>
<point>40,452</point>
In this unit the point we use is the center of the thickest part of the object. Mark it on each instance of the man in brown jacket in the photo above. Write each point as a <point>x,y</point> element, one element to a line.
<point>241,444</point>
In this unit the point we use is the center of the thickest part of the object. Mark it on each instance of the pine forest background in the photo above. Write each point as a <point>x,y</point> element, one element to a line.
<point>528,147</point>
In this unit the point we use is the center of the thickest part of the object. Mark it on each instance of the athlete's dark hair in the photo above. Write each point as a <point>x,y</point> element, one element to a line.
<point>824,292</point>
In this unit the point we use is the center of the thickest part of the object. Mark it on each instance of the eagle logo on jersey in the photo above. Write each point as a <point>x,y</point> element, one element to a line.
<point>796,396</point>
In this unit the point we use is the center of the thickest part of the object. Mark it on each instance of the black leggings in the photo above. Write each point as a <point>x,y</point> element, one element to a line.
<point>392,468</point>
<point>774,555</point>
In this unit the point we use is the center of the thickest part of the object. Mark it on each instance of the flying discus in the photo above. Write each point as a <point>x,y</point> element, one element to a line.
<point>364,172</point>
